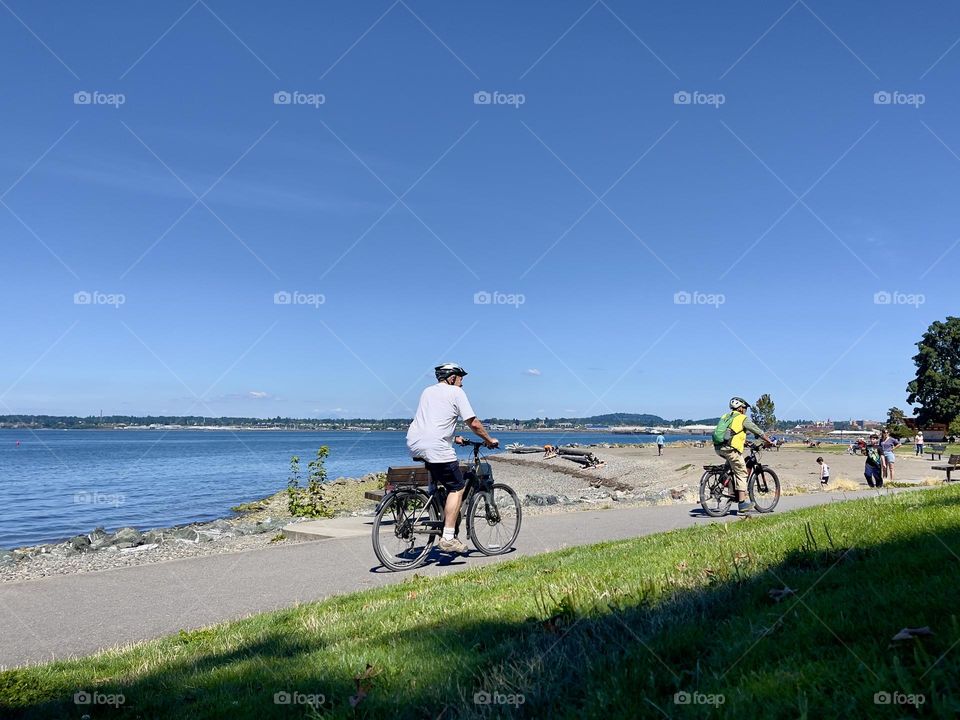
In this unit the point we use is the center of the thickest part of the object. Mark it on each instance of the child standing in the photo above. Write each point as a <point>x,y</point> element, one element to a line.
<point>872,467</point>
<point>824,471</point>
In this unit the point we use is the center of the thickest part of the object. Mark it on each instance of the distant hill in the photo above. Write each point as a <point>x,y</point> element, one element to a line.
<point>624,419</point>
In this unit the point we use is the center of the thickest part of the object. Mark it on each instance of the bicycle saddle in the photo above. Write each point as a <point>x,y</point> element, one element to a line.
<point>419,459</point>
<point>715,467</point>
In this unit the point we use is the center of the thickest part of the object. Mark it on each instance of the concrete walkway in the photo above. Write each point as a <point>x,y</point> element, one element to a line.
<point>75,615</point>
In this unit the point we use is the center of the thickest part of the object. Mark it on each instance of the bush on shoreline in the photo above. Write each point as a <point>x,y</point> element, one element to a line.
<point>309,501</point>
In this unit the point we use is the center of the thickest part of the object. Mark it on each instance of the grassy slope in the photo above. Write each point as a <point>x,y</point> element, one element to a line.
<point>612,630</point>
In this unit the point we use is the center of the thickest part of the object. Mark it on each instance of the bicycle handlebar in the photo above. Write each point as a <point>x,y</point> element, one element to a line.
<point>473,443</point>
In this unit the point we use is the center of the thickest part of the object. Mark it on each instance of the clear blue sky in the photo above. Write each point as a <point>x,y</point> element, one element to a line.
<point>493,197</point>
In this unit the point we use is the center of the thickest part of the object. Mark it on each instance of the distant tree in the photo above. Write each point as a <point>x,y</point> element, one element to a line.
<point>896,423</point>
<point>763,412</point>
<point>954,428</point>
<point>936,389</point>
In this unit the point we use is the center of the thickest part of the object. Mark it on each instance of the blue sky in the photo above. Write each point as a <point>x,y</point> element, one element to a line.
<point>587,199</point>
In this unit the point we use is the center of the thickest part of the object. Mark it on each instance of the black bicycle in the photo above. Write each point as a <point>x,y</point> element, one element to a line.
<point>717,492</point>
<point>409,518</point>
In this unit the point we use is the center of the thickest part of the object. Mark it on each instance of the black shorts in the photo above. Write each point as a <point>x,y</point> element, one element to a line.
<point>448,475</point>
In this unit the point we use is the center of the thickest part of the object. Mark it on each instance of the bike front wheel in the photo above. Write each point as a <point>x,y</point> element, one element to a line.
<point>714,498</point>
<point>401,537</point>
<point>493,519</point>
<point>764,489</point>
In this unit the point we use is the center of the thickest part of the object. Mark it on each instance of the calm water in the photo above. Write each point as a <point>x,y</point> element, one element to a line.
<point>59,483</point>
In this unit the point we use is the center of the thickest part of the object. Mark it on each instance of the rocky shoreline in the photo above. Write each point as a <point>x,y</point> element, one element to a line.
<point>629,476</point>
<point>254,525</point>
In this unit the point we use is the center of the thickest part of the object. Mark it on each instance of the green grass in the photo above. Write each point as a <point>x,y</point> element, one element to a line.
<point>610,631</point>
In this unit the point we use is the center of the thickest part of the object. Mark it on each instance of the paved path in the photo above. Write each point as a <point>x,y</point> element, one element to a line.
<point>75,615</point>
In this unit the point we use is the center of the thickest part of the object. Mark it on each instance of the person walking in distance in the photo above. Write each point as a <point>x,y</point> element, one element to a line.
<point>431,436</point>
<point>918,441</point>
<point>660,442</point>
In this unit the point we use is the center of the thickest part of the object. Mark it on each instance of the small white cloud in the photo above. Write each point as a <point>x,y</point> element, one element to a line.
<point>533,371</point>
<point>258,395</point>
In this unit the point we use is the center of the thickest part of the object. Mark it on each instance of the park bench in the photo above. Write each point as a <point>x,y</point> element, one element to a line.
<point>937,450</point>
<point>954,464</point>
<point>409,475</point>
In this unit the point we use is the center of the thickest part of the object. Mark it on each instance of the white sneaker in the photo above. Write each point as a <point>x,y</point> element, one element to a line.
<point>453,546</point>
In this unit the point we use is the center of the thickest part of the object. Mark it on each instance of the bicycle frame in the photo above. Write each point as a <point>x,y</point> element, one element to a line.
<point>437,496</point>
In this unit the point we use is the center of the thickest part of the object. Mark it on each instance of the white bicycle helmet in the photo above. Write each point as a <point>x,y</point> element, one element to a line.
<point>447,369</point>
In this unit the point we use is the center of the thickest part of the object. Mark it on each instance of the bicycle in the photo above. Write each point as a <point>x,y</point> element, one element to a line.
<point>717,492</point>
<point>409,519</point>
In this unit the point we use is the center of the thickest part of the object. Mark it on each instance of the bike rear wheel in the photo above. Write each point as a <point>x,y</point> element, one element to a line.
<point>764,489</point>
<point>714,496</point>
<point>493,519</point>
<point>399,539</point>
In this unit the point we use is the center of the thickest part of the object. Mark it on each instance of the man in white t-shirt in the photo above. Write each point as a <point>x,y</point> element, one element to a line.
<point>431,436</point>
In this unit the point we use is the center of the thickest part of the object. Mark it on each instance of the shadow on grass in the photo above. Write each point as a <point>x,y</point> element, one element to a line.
<point>712,640</point>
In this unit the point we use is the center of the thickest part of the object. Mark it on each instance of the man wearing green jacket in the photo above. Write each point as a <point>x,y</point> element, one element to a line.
<point>731,448</point>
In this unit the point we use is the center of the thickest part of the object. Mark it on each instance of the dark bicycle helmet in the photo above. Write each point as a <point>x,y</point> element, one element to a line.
<point>447,369</point>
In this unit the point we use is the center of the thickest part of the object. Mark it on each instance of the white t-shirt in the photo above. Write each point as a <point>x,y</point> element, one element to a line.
<point>431,433</point>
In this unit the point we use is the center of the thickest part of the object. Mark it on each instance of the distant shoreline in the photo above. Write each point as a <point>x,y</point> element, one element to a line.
<point>532,431</point>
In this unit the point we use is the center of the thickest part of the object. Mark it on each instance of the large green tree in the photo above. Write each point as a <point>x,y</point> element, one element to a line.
<point>763,412</point>
<point>936,389</point>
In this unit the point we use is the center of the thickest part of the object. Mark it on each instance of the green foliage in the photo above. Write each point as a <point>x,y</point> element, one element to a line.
<point>309,501</point>
<point>954,429</point>
<point>245,508</point>
<point>936,389</point>
<point>763,412</point>
<point>896,423</point>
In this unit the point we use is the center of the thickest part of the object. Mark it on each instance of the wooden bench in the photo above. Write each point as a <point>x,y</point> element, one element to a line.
<point>937,450</point>
<point>954,465</point>
<point>407,475</point>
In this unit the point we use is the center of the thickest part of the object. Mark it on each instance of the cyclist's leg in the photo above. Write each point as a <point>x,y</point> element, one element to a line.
<point>727,473</point>
<point>738,470</point>
<point>450,477</point>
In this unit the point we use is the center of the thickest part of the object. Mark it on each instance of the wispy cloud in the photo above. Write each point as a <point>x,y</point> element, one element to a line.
<point>149,178</point>
<point>532,372</point>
